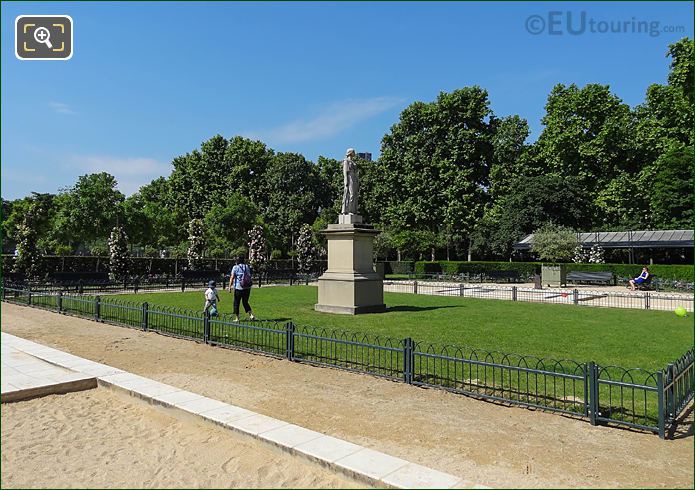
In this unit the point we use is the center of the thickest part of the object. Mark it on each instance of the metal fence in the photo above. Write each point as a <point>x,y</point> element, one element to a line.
<point>611,395</point>
<point>580,297</point>
<point>87,286</point>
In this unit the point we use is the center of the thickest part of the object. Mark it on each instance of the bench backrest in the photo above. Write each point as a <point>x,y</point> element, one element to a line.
<point>504,273</point>
<point>599,276</point>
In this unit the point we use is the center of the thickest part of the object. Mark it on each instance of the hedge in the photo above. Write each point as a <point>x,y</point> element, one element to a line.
<point>661,271</point>
<point>463,267</point>
<point>398,267</point>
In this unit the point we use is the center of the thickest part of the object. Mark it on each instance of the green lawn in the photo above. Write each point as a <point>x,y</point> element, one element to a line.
<point>628,338</point>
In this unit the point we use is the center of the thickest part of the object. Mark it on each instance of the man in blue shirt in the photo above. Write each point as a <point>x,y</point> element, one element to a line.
<point>240,281</point>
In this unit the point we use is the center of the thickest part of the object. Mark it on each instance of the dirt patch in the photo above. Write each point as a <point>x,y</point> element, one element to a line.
<point>485,443</point>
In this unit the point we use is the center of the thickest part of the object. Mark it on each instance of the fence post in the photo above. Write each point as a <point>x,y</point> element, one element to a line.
<point>306,280</point>
<point>646,301</point>
<point>29,298</point>
<point>462,289</point>
<point>514,293</point>
<point>80,287</point>
<point>408,356</point>
<point>660,394</point>
<point>183,285</point>
<point>145,315</point>
<point>592,374</point>
<point>415,286</point>
<point>206,326</point>
<point>136,285</point>
<point>671,400</point>
<point>59,300</point>
<point>575,296</point>
<point>97,307</point>
<point>289,340</point>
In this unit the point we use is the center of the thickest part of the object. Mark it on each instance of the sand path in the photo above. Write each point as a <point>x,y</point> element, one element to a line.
<point>489,444</point>
<point>100,439</point>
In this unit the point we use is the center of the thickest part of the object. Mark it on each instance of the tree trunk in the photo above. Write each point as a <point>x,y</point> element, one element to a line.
<point>432,253</point>
<point>448,258</point>
<point>470,252</point>
<point>398,254</point>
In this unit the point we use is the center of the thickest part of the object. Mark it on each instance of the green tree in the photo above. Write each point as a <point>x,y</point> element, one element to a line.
<point>291,190</point>
<point>508,143</point>
<point>89,209</point>
<point>329,192</point>
<point>667,186</point>
<point>227,223</point>
<point>148,218</point>
<point>529,203</point>
<point>554,243</point>
<point>587,135</point>
<point>199,179</point>
<point>248,162</point>
<point>434,166</point>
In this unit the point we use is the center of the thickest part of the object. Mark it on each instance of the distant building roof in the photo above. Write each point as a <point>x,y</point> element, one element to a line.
<point>626,239</point>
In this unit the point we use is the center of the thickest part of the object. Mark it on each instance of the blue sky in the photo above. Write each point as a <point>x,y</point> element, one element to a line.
<point>150,81</point>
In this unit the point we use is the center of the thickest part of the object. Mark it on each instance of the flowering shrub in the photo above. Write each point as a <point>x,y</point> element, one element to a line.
<point>118,252</point>
<point>196,243</point>
<point>258,248</point>
<point>307,252</point>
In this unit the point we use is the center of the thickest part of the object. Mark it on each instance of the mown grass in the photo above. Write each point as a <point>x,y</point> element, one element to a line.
<point>628,338</point>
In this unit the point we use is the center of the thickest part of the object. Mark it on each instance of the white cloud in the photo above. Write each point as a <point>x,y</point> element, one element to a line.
<point>130,172</point>
<point>61,108</point>
<point>330,121</point>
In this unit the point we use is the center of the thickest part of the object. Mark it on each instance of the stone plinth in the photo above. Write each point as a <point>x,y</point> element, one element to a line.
<point>349,219</point>
<point>350,285</point>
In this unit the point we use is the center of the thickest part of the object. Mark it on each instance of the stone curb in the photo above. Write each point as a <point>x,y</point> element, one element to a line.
<point>363,464</point>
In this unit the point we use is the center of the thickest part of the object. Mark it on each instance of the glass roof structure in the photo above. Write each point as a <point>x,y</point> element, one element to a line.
<point>626,239</point>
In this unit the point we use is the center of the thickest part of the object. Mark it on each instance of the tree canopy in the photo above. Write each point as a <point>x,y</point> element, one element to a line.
<point>452,178</point>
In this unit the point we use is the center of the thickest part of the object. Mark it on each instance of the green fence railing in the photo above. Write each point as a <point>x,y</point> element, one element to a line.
<point>610,395</point>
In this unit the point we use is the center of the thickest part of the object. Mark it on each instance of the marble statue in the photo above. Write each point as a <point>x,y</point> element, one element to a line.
<point>350,184</point>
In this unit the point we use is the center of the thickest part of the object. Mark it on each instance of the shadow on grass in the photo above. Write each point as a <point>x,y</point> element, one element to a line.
<point>420,308</point>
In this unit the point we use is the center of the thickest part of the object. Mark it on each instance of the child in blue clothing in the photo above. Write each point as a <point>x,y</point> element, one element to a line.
<point>211,299</point>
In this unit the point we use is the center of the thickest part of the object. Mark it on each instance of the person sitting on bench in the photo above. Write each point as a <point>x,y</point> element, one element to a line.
<point>641,279</point>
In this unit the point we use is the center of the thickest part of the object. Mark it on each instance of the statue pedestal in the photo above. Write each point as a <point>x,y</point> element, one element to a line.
<point>350,286</point>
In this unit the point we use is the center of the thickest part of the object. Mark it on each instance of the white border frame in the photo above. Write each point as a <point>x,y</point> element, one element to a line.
<point>72,33</point>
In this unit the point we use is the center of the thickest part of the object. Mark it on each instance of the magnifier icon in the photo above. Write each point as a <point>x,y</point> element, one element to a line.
<point>43,36</point>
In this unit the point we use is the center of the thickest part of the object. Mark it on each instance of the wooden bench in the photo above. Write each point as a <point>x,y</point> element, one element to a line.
<point>646,285</point>
<point>509,275</point>
<point>591,277</point>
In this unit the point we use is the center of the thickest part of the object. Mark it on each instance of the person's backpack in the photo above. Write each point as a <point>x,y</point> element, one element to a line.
<point>213,310</point>
<point>246,281</point>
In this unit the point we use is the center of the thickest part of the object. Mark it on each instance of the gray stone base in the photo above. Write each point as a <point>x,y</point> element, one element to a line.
<point>350,310</point>
<point>349,219</point>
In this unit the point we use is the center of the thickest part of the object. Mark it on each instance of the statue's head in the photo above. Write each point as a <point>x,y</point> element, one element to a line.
<point>350,152</point>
